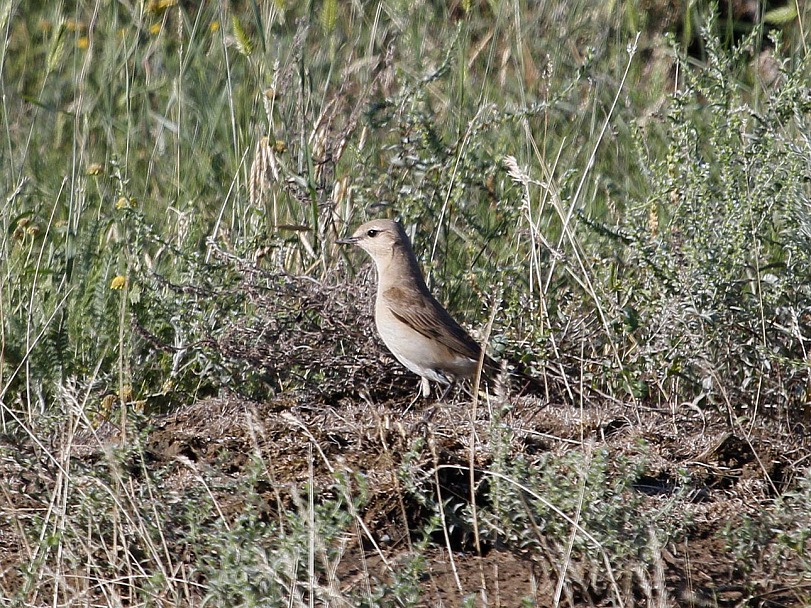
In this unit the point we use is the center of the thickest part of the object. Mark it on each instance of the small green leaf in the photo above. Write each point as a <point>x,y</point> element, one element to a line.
<point>782,15</point>
<point>329,15</point>
<point>243,41</point>
<point>56,49</point>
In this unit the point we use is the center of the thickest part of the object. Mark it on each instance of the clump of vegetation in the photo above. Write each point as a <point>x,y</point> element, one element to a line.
<point>716,280</point>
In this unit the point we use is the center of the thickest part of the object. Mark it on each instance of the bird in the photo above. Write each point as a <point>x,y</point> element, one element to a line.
<point>414,326</point>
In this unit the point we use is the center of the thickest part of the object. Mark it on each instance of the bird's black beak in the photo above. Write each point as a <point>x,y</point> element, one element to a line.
<point>351,240</point>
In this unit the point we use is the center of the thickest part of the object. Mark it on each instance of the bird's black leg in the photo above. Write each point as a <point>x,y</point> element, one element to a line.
<point>447,390</point>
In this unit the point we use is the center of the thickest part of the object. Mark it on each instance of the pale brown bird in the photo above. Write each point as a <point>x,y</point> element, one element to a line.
<point>417,330</point>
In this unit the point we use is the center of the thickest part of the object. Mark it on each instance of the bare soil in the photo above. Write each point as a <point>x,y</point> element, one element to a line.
<point>732,475</point>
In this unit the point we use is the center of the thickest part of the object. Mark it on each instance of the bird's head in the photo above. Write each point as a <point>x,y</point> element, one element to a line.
<point>378,238</point>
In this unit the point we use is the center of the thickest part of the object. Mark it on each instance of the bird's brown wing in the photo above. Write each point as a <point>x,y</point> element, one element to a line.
<point>424,314</point>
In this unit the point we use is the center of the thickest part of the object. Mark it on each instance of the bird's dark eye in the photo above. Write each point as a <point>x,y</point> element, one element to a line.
<point>372,233</point>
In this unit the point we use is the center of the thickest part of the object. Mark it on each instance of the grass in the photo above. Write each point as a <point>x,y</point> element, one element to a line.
<point>622,189</point>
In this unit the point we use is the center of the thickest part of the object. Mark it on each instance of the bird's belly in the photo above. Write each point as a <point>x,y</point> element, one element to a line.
<point>425,357</point>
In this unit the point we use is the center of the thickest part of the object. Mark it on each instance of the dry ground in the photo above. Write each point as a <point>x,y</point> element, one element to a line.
<point>732,475</point>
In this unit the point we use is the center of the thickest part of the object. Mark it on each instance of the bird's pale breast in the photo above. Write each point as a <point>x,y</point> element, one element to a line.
<point>422,355</point>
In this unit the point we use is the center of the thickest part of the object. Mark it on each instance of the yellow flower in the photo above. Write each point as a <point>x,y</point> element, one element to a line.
<point>72,25</point>
<point>83,42</point>
<point>118,282</point>
<point>158,6</point>
<point>106,408</point>
<point>95,169</point>
<point>214,27</point>
<point>126,393</point>
<point>155,28</point>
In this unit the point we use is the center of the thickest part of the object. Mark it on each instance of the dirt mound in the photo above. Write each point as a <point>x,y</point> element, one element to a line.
<point>717,476</point>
